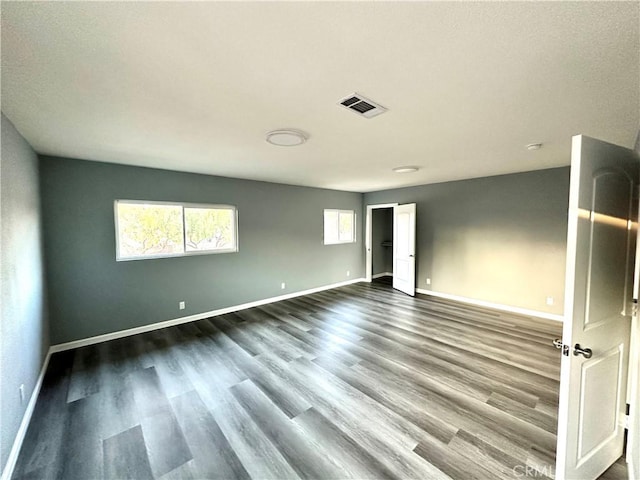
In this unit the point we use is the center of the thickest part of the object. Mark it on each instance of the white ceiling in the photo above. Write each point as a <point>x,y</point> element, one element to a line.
<point>196,86</point>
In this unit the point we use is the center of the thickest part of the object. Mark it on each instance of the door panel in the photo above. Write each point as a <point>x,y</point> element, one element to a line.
<point>600,381</point>
<point>601,238</point>
<point>404,244</point>
<point>609,266</point>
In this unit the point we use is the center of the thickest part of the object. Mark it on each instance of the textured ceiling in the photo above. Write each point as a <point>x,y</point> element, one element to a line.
<point>196,86</point>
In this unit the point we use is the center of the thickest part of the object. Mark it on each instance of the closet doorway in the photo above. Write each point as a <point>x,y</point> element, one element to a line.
<point>379,241</point>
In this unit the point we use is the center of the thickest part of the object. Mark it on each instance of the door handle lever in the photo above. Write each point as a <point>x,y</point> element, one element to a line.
<point>585,352</point>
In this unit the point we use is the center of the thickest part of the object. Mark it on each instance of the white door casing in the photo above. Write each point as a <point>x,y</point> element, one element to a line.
<point>404,248</point>
<point>633,437</point>
<point>601,237</point>
<point>633,395</point>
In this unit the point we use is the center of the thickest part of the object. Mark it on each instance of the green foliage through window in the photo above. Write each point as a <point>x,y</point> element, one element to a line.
<point>155,229</point>
<point>209,229</point>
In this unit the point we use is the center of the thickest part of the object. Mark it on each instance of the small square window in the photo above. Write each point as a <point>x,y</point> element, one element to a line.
<point>339,226</point>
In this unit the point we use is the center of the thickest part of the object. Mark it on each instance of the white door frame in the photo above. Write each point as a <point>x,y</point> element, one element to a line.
<point>369,235</point>
<point>633,439</point>
<point>633,384</point>
<point>633,399</point>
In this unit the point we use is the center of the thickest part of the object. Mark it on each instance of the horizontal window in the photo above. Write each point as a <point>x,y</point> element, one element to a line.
<point>163,229</point>
<point>339,226</point>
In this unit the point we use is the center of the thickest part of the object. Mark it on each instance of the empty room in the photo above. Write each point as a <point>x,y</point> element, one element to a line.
<point>320,240</point>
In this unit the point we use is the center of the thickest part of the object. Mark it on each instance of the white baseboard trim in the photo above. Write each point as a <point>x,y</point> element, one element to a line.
<point>192,318</point>
<point>384,274</point>
<point>7,472</point>
<point>496,306</point>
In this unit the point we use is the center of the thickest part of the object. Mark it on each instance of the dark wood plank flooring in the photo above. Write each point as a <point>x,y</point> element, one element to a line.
<point>357,382</point>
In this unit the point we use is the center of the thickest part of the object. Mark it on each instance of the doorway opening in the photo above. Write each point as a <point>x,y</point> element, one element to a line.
<point>382,243</point>
<point>379,241</point>
<point>402,247</point>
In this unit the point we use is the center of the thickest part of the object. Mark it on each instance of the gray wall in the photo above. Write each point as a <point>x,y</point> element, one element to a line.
<point>498,239</point>
<point>280,234</point>
<point>24,337</point>
<point>381,230</point>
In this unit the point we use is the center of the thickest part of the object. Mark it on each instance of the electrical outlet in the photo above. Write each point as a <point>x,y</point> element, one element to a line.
<point>428,281</point>
<point>348,273</point>
<point>21,393</point>
<point>182,305</point>
<point>283,285</point>
<point>549,300</point>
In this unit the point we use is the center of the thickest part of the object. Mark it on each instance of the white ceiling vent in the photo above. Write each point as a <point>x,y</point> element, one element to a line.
<point>362,106</point>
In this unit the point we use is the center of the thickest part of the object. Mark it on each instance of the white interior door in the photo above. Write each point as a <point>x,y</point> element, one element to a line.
<point>601,240</point>
<point>404,248</point>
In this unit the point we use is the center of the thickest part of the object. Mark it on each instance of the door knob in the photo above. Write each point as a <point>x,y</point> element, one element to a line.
<point>585,352</point>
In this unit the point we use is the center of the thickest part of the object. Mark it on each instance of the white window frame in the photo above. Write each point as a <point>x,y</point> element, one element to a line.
<point>185,253</point>
<point>338,211</point>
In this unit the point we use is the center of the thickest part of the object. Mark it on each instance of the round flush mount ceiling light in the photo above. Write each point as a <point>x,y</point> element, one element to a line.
<point>286,137</point>
<point>407,169</point>
<point>534,146</point>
